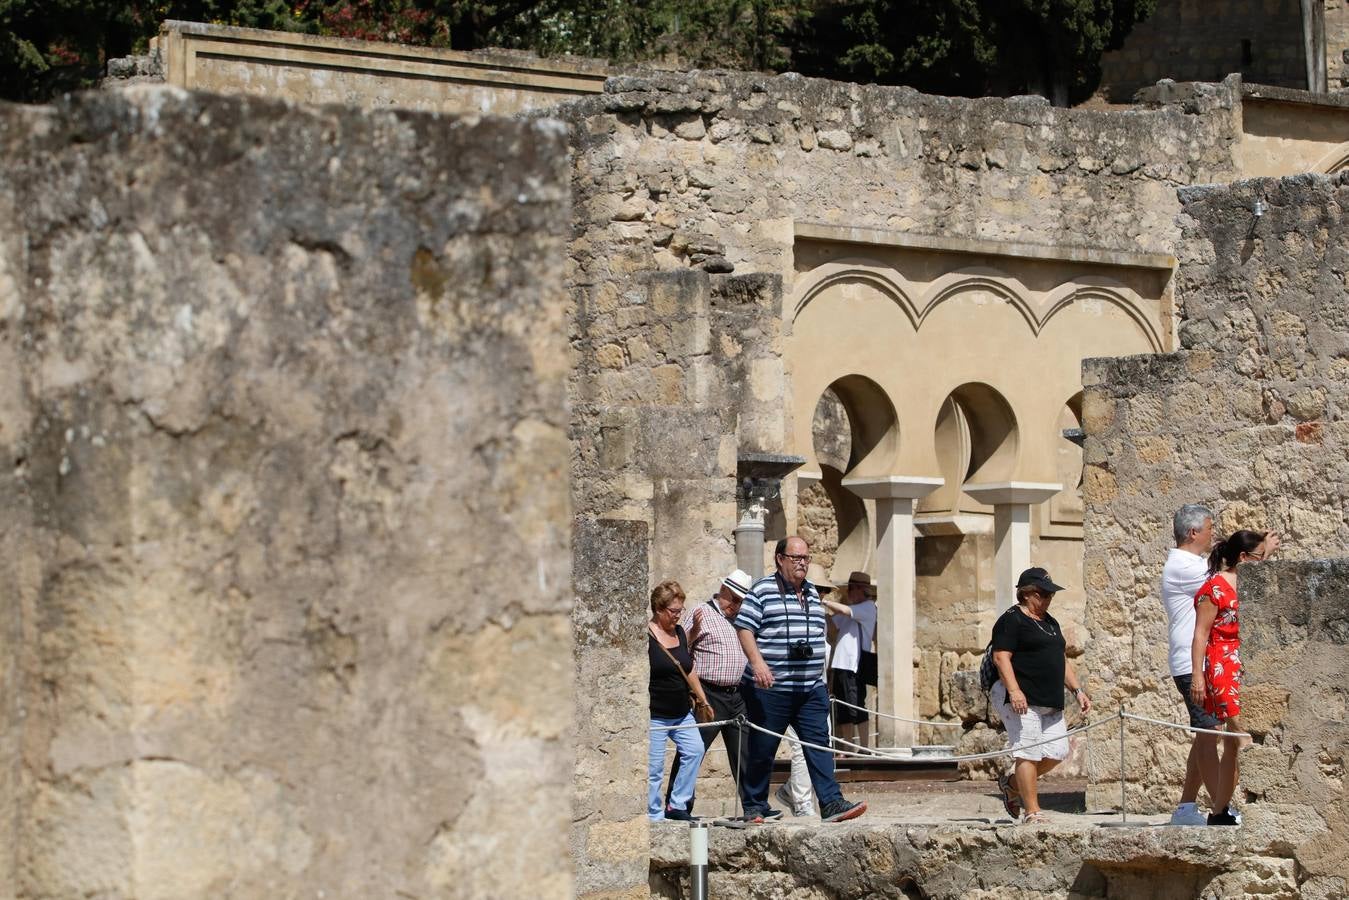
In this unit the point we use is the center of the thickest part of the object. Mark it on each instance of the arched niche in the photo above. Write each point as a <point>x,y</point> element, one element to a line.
<point>1336,160</point>
<point>976,442</point>
<point>1063,513</point>
<point>854,429</point>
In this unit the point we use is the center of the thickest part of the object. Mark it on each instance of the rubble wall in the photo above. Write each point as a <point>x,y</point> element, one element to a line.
<point>687,191</point>
<point>711,172</point>
<point>283,411</point>
<point>1295,648</point>
<point>1248,417</point>
<point>980,862</point>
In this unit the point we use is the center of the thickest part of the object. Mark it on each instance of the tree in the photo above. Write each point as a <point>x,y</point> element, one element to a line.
<point>60,45</point>
<point>970,47</point>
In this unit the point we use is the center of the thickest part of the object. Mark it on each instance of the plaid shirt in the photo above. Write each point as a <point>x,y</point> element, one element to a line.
<point>717,656</point>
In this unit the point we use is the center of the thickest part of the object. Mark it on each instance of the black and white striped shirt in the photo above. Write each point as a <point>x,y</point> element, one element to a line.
<point>774,614</point>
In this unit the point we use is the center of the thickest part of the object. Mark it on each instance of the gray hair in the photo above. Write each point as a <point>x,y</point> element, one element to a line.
<point>1189,517</point>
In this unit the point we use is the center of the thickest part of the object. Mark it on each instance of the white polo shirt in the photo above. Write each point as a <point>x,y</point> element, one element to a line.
<point>1182,577</point>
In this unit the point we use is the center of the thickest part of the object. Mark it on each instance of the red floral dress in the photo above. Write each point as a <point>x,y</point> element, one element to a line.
<point>1222,658</point>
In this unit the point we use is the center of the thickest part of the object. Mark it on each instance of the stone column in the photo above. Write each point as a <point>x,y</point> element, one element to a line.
<point>895,496</point>
<point>749,531</point>
<point>760,482</point>
<point>1011,502</point>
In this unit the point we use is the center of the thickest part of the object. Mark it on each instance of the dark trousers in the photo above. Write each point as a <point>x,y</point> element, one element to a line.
<point>728,704</point>
<point>808,713</point>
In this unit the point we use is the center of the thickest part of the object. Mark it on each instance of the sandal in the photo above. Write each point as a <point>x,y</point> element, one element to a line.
<point>1035,818</point>
<point>1009,801</point>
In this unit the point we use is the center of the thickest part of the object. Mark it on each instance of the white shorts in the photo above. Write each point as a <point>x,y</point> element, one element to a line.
<point>1036,724</point>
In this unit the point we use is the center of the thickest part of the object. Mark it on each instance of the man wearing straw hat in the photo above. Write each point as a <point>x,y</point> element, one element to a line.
<point>854,620</point>
<point>719,661</point>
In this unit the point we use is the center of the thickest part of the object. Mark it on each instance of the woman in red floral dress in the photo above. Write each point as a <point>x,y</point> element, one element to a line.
<point>1216,648</point>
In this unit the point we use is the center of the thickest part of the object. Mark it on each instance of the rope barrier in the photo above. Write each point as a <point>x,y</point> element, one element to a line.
<point>1190,728</point>
<point>968,757</point>
<point>931,722</point>
<point>683,726</point>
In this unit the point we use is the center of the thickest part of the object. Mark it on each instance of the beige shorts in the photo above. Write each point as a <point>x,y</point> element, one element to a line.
<point>1036,724</point>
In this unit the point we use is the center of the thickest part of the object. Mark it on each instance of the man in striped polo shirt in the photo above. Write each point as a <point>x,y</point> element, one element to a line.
<point>781,627</point>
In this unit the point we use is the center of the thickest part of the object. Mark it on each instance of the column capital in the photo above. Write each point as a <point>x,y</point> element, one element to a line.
<point>1001,492</point>
<point>892,487</point>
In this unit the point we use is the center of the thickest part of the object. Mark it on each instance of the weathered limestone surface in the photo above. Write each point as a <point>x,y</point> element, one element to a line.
<point>1295,647</point>
<point>680,179</point>
<point>281,395</point>
<point>967,861</point>
<point>1247,417</point>
<point>609,833</point>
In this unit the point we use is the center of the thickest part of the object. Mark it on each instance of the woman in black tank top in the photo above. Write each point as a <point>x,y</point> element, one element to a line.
<point>672,679</point>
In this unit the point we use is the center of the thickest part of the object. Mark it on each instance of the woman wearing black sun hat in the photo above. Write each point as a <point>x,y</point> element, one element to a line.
<point>1030,654</point>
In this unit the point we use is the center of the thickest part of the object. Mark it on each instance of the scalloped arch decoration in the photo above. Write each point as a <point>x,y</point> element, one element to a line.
<point>983,278</point>
<point>1108,291</point>
<point>877,276</point>
<point>1337,160</point>
<point>980,278</point>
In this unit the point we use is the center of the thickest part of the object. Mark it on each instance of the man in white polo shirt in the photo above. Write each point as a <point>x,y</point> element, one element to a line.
<point>1185,571</point>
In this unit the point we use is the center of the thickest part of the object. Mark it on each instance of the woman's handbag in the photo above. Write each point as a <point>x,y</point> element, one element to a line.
<point>702,710</point>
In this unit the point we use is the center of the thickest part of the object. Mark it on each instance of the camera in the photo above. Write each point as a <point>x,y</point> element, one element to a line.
<point>800,650</point>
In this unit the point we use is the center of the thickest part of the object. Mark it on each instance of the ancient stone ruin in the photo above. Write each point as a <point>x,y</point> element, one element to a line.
<point>346,442</point>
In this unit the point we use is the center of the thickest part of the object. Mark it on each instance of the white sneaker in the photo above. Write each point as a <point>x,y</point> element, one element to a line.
<point>1234,813</point>
<point>1188,814</point>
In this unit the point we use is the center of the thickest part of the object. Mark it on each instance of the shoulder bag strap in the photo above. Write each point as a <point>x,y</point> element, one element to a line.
<point>677,666</point>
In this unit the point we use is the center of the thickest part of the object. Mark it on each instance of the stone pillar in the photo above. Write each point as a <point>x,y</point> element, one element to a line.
<point>749,532</point>
<point>895,582</point>
<point>760,482</point>
<point>1011,502</point>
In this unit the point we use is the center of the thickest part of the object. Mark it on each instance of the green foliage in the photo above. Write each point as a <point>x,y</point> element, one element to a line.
<point>969,47</point>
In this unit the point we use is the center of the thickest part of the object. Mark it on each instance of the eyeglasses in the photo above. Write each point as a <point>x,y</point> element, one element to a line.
<point>801,559</point>
<point>674,610</point>
<point>1255,556</point>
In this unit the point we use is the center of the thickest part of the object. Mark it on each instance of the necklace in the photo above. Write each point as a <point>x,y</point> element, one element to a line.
<point>1049,631</point>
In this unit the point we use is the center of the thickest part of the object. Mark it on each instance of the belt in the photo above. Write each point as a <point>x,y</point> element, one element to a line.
<point>725,688</point>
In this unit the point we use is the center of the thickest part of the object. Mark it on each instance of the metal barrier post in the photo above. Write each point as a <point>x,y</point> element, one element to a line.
<point>1123,813</point>
<point>698,860</point>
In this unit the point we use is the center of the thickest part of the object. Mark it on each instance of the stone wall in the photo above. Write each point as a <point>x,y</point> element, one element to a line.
<point>1295,647</point>
<point>1247,417</point>
<point>1337,45</point>
<point>286,517</point>
<point>610,832</point>
<point>307,68</point>
<point>1199,40</point>
<point>676,174</point>
<point>974,861</point>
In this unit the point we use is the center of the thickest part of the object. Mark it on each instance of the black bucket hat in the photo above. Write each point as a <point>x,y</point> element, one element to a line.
<point>1038,578</point>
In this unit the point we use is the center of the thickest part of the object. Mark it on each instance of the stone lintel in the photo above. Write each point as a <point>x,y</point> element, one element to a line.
<point>805,479</point>
<point>893,487</point>
<point>945,526</point>
<point>774,466</point>
<point>1028,492</point>
<point>847,234</point>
